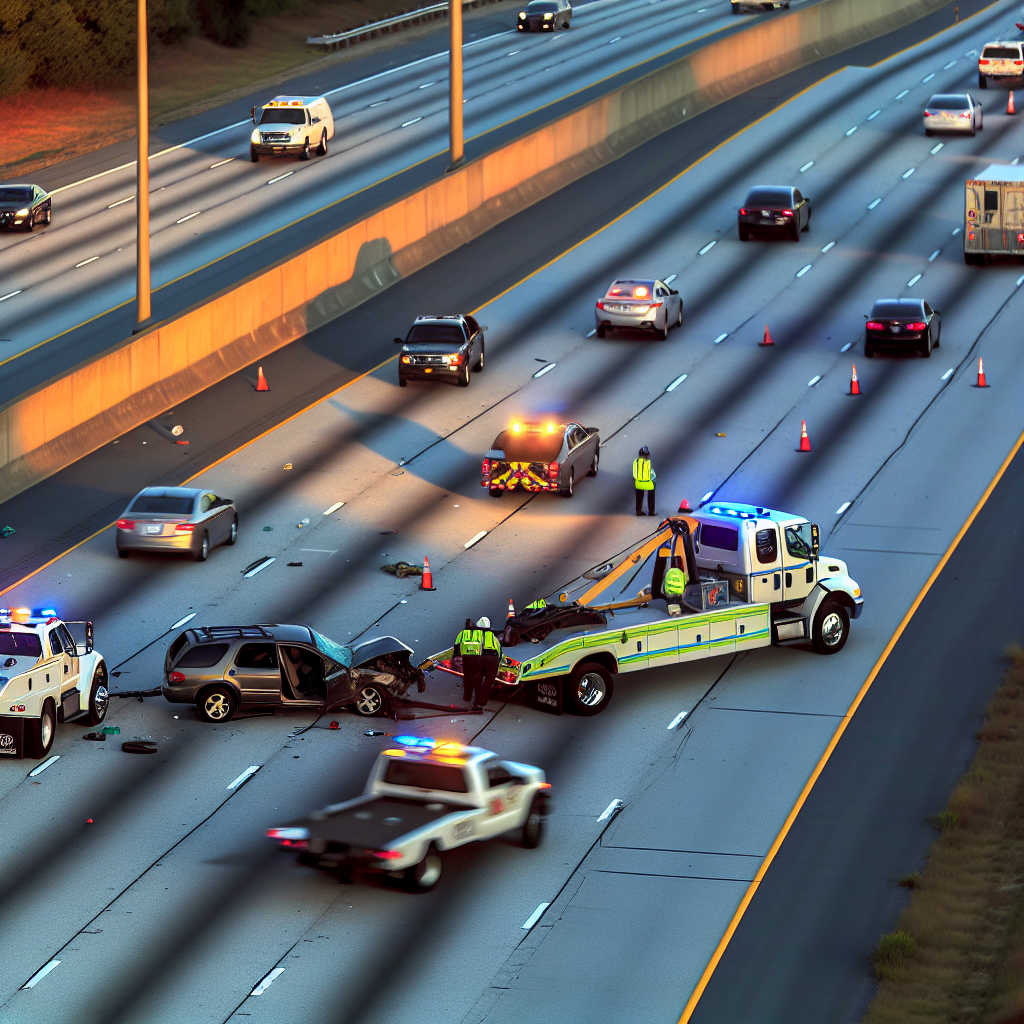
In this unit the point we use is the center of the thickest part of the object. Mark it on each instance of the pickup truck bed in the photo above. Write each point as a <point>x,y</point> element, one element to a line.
<point>375,822</point>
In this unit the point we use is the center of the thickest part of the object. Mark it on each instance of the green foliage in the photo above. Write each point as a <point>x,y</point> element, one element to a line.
<point>894,952</point>
<point>946,820</point>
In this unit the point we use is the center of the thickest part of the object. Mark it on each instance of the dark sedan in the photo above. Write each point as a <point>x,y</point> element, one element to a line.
<point>441,348</point>
<point>541,457</point>
<point>775,209</point>
<point>545,16</point>
<point>902,323</point>
<point>23,206</point>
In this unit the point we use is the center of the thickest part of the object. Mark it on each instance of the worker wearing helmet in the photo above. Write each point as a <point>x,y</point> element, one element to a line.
<point>481,654</point>
<point>643,480</point>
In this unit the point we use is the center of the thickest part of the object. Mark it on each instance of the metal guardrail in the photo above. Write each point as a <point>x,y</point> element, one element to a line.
<point>332,42</point>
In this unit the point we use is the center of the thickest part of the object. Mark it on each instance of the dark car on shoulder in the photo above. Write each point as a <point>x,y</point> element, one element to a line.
<point>263,669</point>
<point>441,348</point>
<point>24,206</point>
<point>541,457</point>
<point>902,323</point>
<point>774,209</point>
<point>545,16</point>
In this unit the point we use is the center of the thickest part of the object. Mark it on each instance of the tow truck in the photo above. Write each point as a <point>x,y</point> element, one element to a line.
<point>49,673</point>
<point>423,796</point>
<point>753,577</point>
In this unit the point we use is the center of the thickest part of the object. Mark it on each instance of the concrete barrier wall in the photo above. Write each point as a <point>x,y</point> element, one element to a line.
<point>63,420</point>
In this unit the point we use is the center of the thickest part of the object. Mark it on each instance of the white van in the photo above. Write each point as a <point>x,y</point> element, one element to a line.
<point>291,124</point>
<point>1001,60</point>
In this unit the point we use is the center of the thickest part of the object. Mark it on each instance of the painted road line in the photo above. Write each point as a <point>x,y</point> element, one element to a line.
<point>181,622</point>
<point>934,256</point>
<point>806,167</point>
<point>1015,161</point>
<point>814,380</point>
<point>936,148</point>
<point>474,540</point>
<point>679,380</point>
<point>545,369</point>
<point>91,259</point>
<point>707,497</point>
<point>708,247</point>
<point>39,975</point>
<point>1019,280</point>
<point>947,374</point>
<point>40,768</point>
<point>535,917</point>
<point>334,508</point>
<point>280,177</point>
<point>847,347</point>
<point>121,202</point>
<point>406,124</point>
<point>591,333</point>
<point>614,806</point>
<point>803,270</point>
<point>247,774</point>
<point>873,203</point>
<point>677,720</point>
<point>258,568</point>
<point>956,231</point>
<point>221,163</point>
<point>721,338</point>
<point>709,970</point>
<point>9,295</point>
<point>842,508</point>
<point>615,40</point>
<point>873,115</point>
<point>188,217</point>
<point>670,278</point>
<point>426,85</point>
<point>321,551</point>
<point>900,96</point>
<point>267,981</point>
<point>914,280</point>
<point>512,54</point>
<point>907,174</point>
<point>379,103</point>
<point>829,247</point>
<point>946,67</point>
<point>927,78</point>
<point>851,131</point>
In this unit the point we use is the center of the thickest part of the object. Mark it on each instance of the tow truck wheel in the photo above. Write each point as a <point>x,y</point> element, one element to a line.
<point>371,703</point>
<point>304,155</point>
<point>589,689</point>
<point>99,697</point>
<point>217,704</point>
<point>39,731</point>
<point>533,827</point>
<point>424,876</point>
<point>831,627</point>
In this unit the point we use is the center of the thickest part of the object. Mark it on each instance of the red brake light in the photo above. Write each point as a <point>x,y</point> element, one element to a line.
<point>600,304</point>
<point>743,211</point>
<point>545,785</point>
<point>126,524</point>
<point>787,213</point>
<point>916,327</point>
<point>485,467</point>
<point>388,854</point>
<point>185,527</point>
<point>874,325</point>
<point>176,677</point>
<point>983,60</point>
<point>553,470</point>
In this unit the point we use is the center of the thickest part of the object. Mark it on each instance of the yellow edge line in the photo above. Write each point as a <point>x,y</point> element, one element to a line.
<point>702,984</point>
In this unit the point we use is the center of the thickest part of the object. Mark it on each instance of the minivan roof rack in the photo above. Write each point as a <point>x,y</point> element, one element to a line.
<point>231,632</point>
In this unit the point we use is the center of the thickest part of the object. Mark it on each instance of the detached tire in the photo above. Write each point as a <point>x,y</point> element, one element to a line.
<point>39,732</point>
<point>588,690</point>
<point>831,627</point>
<point>424,876</point>
<point>218,704</point>
<point>99,697</point>
<point>533,827</point>
<point>371,703</point>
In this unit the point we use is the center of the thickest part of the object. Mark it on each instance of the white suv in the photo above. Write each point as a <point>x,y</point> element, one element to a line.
<point>1000,60</point>
<point>289,125</point>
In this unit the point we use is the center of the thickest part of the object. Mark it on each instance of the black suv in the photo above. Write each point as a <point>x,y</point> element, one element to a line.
<point>441,348</point>
<point>266,668</point>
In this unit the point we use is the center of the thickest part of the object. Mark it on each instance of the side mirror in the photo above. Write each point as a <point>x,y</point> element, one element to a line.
<point>672,291</point>
<point>814,540</point>
<point>399,341</point>
<point>252,113</point>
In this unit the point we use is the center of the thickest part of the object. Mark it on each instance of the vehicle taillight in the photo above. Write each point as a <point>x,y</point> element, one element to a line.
<point>185,527</point>
<point>1020,239</point>
<point>786,213</point>
<point>553,470</point>
<point>388,854</point>
<point>545,785</point>
<point>600,304</point>
<point>126,524</point>
<point>916,327</point>
<point>176,677</point>
<point>928,113</point>
<point>966,113</point>
<point>983,60</point>
<point>1018,63</point>
<point>743,211</point>
<point>970,236</point>
<point>485,467</point>
<point>874,325</point>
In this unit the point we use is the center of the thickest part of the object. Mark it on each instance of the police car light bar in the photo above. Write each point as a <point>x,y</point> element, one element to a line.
<point>417,742</point>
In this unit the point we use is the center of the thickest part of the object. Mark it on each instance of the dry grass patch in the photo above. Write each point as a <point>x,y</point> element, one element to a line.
<point>958,952</point>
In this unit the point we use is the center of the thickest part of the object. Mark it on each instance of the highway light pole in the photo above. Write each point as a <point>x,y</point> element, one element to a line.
<point>142,281</point>
<point>455,84</point>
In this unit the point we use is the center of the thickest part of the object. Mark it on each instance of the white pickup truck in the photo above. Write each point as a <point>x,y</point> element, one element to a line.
<point>754,577</point>
<point>422,797</point>
<point>49,673</point>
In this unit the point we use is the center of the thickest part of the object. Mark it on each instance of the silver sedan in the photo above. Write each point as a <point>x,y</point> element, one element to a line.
<point>952,112</point>
<point>183,520</point>
<point>634,305</point>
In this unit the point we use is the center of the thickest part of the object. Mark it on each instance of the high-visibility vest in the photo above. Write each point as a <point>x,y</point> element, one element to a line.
<point>539,603</point>
<point>674,582</point>
<point>491,642</point>
<point>475,641</point>
<point>643,477</point>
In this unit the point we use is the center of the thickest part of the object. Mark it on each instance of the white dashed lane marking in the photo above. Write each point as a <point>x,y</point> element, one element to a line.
<point>267,981</point>
<point>535,917</point>
<point>614,806</point>
<point>244,777</point>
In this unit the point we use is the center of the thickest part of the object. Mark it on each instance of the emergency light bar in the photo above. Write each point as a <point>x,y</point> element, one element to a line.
<point>417,742</point>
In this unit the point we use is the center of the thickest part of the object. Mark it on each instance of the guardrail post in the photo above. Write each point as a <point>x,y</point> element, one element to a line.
<point>142,279</point>
<point>455,84</point>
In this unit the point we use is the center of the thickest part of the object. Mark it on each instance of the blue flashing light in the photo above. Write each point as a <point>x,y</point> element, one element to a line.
<point>47,613</point>
<point>417,742</point>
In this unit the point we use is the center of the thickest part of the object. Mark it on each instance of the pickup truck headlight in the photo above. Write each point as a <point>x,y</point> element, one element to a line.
<point>548,17</point>
<point>255,137</point>
<point>22,213</point>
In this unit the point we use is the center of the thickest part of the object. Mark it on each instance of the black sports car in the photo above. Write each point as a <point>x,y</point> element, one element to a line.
<point>902,323</point>
<point>441,348</point>
<point>23,206</point>
<point>776,209</point>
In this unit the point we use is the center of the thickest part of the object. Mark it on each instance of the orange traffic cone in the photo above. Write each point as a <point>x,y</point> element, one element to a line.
<point>511,610</point>
<point>854,383</point>
<point>805,441</point>
<point>427,582</point>
<point>1010,108</point>
<point>261,384</point>
<point>981,375</point>
<point>767,339</point>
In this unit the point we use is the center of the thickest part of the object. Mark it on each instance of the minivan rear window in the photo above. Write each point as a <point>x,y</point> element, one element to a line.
<point>163,504</point>
<point>1001,53</point>
<point>423,775</point>
<point>25,645</point>
<point>722,537</point>
<point>202,656</point>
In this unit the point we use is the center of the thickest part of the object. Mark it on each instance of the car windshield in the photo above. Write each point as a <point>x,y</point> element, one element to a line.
<point>336,652</point>
<point>163,504</point>
<point>763,196</point>
<point>26,645</point>
<point>944,102</point>
<point>15,195</point>
<point>445,336</point>
<point>631,289</point>
<point>423,775</point>
<point>530,446</point>
<point>1001,53</point>
<point>891,309</point>
<point>283,115</point>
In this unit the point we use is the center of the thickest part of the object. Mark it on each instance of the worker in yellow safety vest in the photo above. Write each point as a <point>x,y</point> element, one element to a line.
<point>643,480</point>
<point>481,655</point>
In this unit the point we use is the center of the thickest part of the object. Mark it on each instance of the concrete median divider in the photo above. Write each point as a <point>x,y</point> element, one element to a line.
<point>64,419</point>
